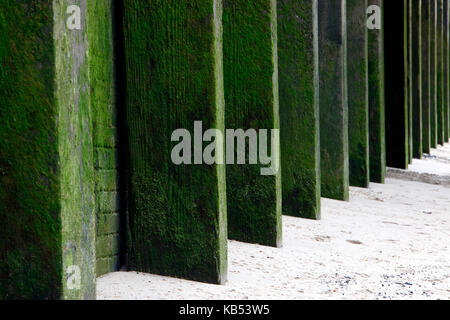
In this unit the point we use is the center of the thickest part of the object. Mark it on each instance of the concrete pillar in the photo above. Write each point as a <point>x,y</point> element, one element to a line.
<point>377,140</point>
<point>107,138</point>
<point>251,94</point>
<point>426,78</point>
<point>410,80</point>
<point>440,71</point>
<point>299,107</point>
<point>47,245</point>
<point>433,73</point>
<point>333,99</point>
<point>358,93</point>
<point>446,71</point>
<point>397,143</point>
<point>416,76</point>
<point>177,201</point>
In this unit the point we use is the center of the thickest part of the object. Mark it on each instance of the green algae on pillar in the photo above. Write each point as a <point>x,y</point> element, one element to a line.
<point>410,80</point>
<point>251,95</point>
<point>299,107</point>
<point>109,212</point>
<point>416,76</point>
<point>440,71</point>
<point>358,93</point>
<point>377,138</point>
<point>425,72</point>
<point>177,212</point>
<point>47,234</point>
<point>333,99</point>
<point>396,76</point>
<point>433,73</point>
<point>446,53</point>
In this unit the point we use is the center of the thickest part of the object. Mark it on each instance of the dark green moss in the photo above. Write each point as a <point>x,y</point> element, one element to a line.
<point>105,136</point>
<point>446,75</point>
<point>333,100</point>
<point>440,72</point>
<point>177,214</point>
<point>30,232</point>
<point>416,77</point>
<point>251,95</point>
<point>433,74</point>
<point>410,91</point>
<point>377,137</point>
<point>358,94</point>
<point>46,190</point>
<point>426,75</point>
<point>299,107</point>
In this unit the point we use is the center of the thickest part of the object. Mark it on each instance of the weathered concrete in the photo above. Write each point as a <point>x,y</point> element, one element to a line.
<point>333,99</point>
<point>377,136</point>
<point>251,94</point>
<point>426,75</point>
<point>299,107</point>
<point>416,76</point>
<point>397,143</point>
<point>177,213</point>
<point>47,234</point>
<point>358,93</point>
<point>433,73</point>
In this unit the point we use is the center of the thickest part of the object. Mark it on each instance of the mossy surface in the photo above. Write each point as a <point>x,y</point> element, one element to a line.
<point>333,100</point>
<point>433,73</point>
<point>75,150</point>
<point>426,75</point>
<point>109,208</point>
<point>377,134</point>
<point>299,107</point>
<point>177,214</point>
<point>445,62</point>
<point>30,230</point>
<point>440,72</point>
<point>396,76</point>
<point>416,77</point>
<point>409,74</point>
<point>358,93</point>
<point>46,197</point>
<point>251,95</point>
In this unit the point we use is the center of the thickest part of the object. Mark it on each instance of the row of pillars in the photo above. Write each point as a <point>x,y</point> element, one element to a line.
<point>417,79</point>
<point>83,109</point>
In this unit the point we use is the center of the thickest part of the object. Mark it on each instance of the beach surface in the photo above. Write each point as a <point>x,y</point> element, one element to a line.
<point>391,241</point>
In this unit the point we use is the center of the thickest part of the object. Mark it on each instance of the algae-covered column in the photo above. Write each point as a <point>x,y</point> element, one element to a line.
<point>251,95</point>
<point>396,76</point>
<point>440,71</point>
<point>358,93</point>
<point>416,76</point>
<point>299,107</point>
<point>108,136</point>
<point>377,139</point>
<point>333,99</point>
<point>433,73</point>
<point>410,81</point>
<point>47,231</point>
<point>426,74</point>
<point>446,52</point>
<point>177,205</point>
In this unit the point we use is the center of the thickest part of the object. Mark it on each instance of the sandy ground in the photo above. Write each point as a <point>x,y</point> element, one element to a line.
<point>391,241</point>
